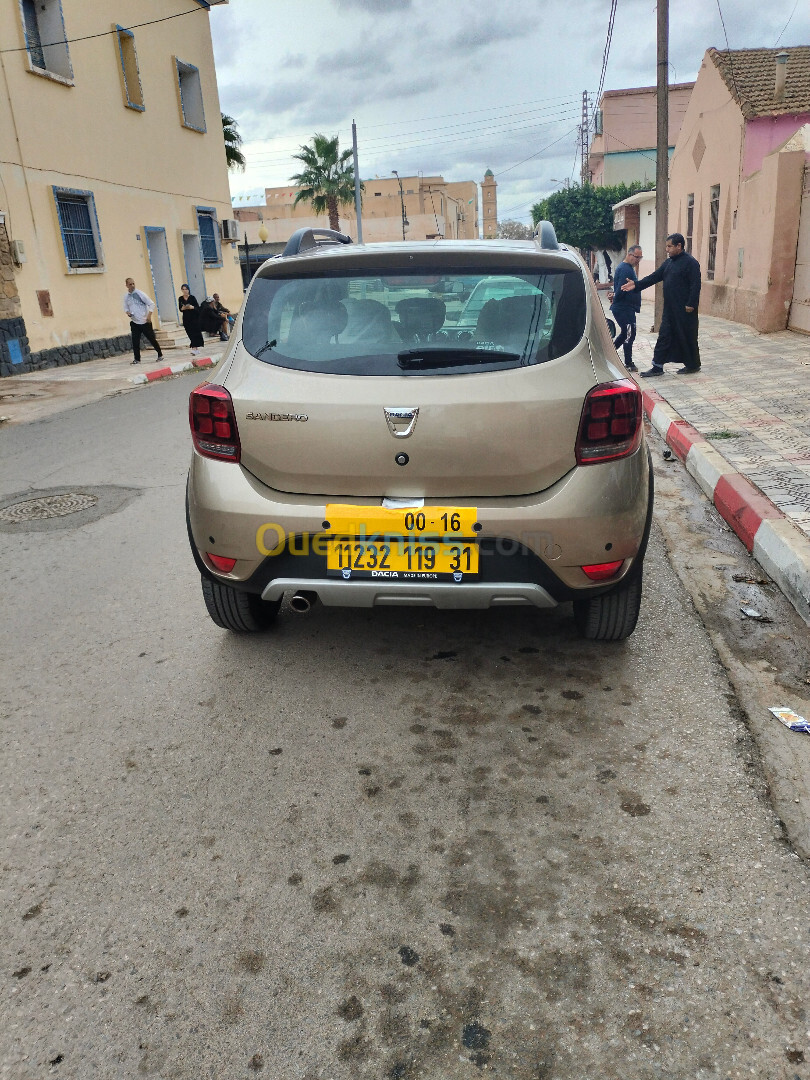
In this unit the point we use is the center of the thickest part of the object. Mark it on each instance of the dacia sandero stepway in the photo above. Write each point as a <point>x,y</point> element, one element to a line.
<point>438,423</point>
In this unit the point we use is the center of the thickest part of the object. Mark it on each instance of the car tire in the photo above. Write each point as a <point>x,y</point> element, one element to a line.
<point>241,612</point>
<point>612,616</point>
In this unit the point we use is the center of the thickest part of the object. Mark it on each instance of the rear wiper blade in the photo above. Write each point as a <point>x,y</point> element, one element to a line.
<point>267,345</point>
<point>449,357</point>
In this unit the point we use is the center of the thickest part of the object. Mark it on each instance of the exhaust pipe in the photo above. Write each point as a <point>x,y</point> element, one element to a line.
<point>303,601</point>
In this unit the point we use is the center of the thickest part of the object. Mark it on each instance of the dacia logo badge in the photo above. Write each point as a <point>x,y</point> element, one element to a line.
<point>401,421</point>
<point>346,572</point>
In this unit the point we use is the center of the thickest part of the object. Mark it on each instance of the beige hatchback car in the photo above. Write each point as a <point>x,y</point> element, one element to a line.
<point>369,442</point>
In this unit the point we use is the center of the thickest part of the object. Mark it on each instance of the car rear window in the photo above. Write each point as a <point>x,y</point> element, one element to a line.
<point>426,324</point>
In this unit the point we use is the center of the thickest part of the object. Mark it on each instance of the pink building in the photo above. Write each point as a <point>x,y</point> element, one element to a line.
<point>624,147</point>
<point>737,185</point>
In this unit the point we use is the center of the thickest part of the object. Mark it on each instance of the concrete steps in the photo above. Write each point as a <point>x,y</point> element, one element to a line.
<point>171,335</point>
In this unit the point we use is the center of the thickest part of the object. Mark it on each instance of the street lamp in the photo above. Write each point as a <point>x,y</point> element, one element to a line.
<point>405,221</point>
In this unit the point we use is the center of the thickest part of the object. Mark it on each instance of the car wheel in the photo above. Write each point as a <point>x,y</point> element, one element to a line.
<point>613,616</point>
<point>241,612</point>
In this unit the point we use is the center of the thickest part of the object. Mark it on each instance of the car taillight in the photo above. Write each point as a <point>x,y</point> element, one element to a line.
<point>222,562</point>
<point>213,423</point>
<point>610,427</point>
<point>602,571</point>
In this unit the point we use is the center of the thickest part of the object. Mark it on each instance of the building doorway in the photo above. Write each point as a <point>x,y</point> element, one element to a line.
<point>161,273</point>
<point>192,253</point>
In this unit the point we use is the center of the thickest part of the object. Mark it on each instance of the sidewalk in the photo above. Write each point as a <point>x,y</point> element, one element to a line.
<point>38,394</point>
<point>742,428</point>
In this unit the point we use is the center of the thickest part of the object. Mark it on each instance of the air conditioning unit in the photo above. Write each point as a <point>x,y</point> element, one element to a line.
<point>230,229</point>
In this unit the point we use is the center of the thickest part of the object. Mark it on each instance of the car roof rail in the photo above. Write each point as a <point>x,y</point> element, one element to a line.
<point>544,232</point>
<point>303,240</point>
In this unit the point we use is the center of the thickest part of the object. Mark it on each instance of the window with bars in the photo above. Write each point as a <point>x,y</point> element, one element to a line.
<point>45,37</point>
<point>714,217</point>
<point>209,236</point>
<point>79,228</point>
<point>690,221</point>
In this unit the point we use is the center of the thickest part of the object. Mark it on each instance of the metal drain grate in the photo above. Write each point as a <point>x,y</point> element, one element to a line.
<point>50,506</point>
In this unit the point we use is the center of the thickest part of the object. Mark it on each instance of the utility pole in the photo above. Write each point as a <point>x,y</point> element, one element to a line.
<point>357,204</point>
<point>584,130</point>
<point>662,153</point>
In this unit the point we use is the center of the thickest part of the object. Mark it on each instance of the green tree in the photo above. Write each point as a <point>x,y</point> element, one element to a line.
<point>513,230</point>
<point>327,179</point>
<point>583,215</point>
<point>233,140</point>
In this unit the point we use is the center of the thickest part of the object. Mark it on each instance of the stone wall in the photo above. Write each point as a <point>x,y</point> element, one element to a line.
<point>13,340</point>
<point>60,355</point>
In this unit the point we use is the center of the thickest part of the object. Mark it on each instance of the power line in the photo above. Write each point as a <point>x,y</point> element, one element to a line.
<point>107,33</point>
<point>629,147</point>
<point>460,127</point>
<point>787,24</point>
<point>466,138</point>
<point>728,50</point>
<point>375,147</point>
<point>539,152</point>
<point>606,53</point>
<point>464,112</point>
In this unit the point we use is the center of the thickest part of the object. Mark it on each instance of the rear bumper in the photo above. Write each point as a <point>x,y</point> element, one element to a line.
<point>367,594</point>
<point>594,514</point>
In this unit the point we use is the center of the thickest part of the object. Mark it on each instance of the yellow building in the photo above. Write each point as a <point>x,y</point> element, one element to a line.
<point>394,208</point>
<point>112,164</point>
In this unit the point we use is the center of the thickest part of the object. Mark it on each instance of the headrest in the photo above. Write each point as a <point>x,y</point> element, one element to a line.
<point>424,314</point>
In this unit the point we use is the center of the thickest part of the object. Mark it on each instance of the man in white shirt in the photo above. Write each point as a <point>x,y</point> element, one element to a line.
<point>139,308</point>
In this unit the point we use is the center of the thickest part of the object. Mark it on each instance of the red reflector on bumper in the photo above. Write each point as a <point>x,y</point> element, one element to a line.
<point>222,563</point>
<point>603,570</point>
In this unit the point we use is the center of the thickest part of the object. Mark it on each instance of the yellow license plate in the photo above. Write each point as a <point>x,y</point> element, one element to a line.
<point>445,523</point>
<point>400,558</point>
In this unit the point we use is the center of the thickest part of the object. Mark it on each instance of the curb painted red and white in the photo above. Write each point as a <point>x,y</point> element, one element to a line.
<point>173,369</point>
<point>780,549</point>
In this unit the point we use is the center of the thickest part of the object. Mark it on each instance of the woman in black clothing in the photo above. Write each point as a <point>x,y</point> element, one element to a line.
<point>191,319</point>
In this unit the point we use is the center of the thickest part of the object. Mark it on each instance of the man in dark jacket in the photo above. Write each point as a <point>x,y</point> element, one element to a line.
<point>626,305</point>
<point>678,333</point>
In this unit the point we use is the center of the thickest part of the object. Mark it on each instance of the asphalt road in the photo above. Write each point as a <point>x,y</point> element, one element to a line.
<point>388,844</point>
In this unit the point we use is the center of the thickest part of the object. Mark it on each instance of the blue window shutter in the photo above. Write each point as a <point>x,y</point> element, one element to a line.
<point>32,37</point>
<point>208,238</point>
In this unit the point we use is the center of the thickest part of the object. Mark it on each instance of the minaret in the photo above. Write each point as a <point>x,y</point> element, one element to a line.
<point>489,200</point>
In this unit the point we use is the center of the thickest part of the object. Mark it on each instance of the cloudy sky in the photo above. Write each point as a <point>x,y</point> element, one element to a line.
<point>455,86</point>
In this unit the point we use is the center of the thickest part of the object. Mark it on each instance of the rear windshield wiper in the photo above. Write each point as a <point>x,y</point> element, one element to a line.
<point>267,345</point>
<point>449,357</point>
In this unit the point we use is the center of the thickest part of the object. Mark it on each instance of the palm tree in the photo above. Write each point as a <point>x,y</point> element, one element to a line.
<point>233,140</point>
<point>327,178</point>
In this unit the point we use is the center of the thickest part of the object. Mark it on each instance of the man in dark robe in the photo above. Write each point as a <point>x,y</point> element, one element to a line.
<point>678,333</point>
